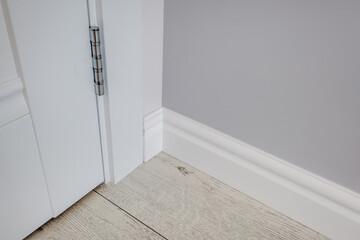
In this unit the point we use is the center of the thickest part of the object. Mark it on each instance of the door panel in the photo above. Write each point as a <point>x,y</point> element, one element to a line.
<point>7,64</point>
<point>53,52</point>
<point>24,201</point>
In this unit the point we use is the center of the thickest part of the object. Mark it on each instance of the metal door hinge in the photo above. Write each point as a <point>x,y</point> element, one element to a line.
<point>97,60</point>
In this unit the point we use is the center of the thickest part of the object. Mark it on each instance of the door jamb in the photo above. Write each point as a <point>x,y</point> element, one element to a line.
<point>94,14</point>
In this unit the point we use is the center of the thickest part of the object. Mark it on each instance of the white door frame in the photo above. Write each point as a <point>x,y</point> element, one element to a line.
<point>120,109</point>
<point>94,12</point>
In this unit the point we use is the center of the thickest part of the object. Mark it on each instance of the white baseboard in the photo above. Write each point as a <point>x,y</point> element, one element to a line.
<point>322,205</point>
<point>153,134</point>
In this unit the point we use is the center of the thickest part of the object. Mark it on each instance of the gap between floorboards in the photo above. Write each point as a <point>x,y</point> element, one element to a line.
<point>131,215</point>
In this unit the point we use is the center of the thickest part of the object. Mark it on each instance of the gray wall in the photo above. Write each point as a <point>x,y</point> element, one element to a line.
<point>283,76</point>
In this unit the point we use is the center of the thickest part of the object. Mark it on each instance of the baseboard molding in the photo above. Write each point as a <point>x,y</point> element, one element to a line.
<point>322,205</point>
<point>153,134</point>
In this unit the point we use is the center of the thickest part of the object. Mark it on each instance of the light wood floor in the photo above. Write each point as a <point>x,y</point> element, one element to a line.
<point>167,199</point>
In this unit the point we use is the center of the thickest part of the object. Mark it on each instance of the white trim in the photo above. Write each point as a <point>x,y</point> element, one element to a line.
<point>153,134</point>
<point>122,27</point>
<point>104,139</point>
<point>95,16</point>
<point>307,198</point>
<point>12,101</point>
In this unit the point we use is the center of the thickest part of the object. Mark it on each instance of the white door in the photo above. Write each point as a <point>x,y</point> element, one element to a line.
<point>24,199</point>
<point>52,52</point>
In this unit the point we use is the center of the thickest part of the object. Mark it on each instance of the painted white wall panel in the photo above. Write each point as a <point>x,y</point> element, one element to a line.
<point>24,201</point>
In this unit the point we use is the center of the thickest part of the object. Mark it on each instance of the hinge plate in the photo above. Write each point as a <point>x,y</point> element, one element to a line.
<point>97,59</point>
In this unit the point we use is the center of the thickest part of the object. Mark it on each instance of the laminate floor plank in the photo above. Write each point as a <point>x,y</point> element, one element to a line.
<point>93,217</point>
<point>181,202</point>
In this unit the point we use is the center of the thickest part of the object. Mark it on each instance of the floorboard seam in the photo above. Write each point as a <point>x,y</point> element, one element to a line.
<point>131,215</point>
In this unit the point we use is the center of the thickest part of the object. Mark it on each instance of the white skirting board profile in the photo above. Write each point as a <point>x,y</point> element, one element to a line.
<point>153,134</point>
<point>320,204</point>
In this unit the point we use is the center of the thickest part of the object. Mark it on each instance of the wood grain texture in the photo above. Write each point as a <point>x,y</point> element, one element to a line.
<point>181,202</point>
<point>94,217</point>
